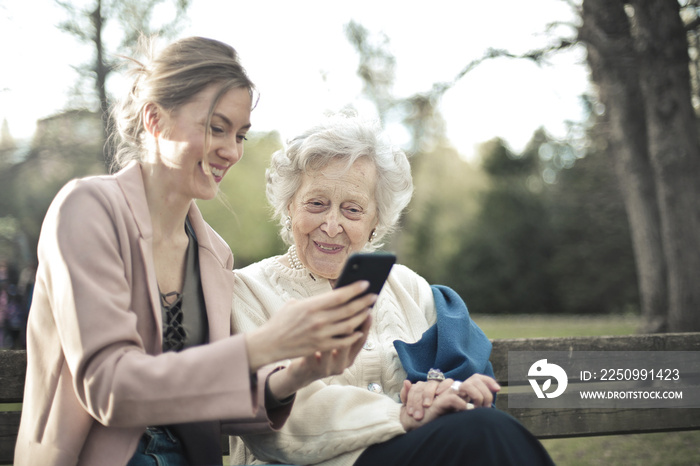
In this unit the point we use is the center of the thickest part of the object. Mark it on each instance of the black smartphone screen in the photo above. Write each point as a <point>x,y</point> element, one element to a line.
<point>373,267</point>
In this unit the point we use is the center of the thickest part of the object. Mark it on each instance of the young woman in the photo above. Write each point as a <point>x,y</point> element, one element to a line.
<point>131,357</point>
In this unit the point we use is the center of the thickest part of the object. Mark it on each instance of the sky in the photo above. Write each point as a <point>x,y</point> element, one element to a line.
<point>297,54</point>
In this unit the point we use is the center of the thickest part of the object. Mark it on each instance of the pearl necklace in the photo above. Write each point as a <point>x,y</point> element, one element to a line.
<point>294,261</point>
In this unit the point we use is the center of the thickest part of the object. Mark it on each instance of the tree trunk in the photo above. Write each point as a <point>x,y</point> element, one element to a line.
<point>662,46</point>
<point>101,73</point>
<point>615,71</point>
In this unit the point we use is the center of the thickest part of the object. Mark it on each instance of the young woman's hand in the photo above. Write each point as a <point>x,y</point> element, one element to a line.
<point>303,371</point>
<point>321,323</point>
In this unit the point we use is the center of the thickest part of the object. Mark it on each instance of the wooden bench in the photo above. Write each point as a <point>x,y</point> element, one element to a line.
<point>581,422</point>
<point>12,371</point>
<point>544,423</point>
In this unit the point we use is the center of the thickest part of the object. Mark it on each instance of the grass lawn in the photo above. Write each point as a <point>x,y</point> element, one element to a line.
<point>662,449</point>
<point>534,326</point>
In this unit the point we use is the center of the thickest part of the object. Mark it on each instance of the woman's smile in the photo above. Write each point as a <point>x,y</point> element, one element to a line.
<point>328,248</point>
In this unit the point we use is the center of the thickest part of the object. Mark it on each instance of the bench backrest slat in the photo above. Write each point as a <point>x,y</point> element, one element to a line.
<point>13,367</point>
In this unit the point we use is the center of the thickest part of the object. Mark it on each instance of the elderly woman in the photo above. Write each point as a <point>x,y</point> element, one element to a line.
<point>339,189</point>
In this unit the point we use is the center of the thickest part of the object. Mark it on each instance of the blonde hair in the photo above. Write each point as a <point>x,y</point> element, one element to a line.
<point>171,79</point>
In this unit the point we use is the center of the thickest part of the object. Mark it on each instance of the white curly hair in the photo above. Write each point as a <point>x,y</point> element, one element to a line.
<point>344,137</point>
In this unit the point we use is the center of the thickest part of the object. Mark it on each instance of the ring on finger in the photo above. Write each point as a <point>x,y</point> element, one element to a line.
<point>455,385</point>
<point>436,374</point>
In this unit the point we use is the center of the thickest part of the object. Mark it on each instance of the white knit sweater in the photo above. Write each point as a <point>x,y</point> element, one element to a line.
<point>334,419</point>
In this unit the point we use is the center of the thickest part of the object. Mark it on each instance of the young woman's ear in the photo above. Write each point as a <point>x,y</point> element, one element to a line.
<point>152,119</point>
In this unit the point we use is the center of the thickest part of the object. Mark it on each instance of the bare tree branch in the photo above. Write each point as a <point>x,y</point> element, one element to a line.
<point>538,56</point>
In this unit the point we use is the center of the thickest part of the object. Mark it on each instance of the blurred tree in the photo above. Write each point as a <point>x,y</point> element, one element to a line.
<point>65,145</point>
<point>445,185</point>
<point>592,262</point>
<point>532,232</point>
<point>502,261</point>
<point>542,243</point>
<point>88,23</point>
<point>7,142</point>
<point>8,240</point>
<point>441,212</point>
<point>241,214</point>
<point>638,55</point>
<point>376,67</point>
<point>63,148</point>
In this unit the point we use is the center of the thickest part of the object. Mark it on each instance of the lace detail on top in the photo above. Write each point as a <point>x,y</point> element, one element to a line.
<point>174,334</point>
<point>183,312</point>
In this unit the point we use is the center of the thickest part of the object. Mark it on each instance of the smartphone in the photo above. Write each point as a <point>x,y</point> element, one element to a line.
<point>373,267</point>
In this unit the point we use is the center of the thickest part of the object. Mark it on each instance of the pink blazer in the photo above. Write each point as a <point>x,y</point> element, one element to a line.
<point>96,375</point>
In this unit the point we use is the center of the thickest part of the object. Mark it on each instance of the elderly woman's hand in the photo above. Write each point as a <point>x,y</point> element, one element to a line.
<point>445,403</point>
<point>477,390</point>
<point>419,396</point>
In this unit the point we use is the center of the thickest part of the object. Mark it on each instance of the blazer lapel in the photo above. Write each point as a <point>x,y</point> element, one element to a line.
<point>216,272</point>
<point>131,182</point>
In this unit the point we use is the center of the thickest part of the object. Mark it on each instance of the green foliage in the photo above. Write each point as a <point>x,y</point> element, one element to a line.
<point>504,166</point>
<point>67,147</point>
<point>64,147</point>
<point>537,247</point>
<point>376,67</point>
<point>241,214</point>
<point>593,260</point>
<point>444,203</point>
<point>501,261</point>
<point>8,233</point>
<point>87,22</point>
